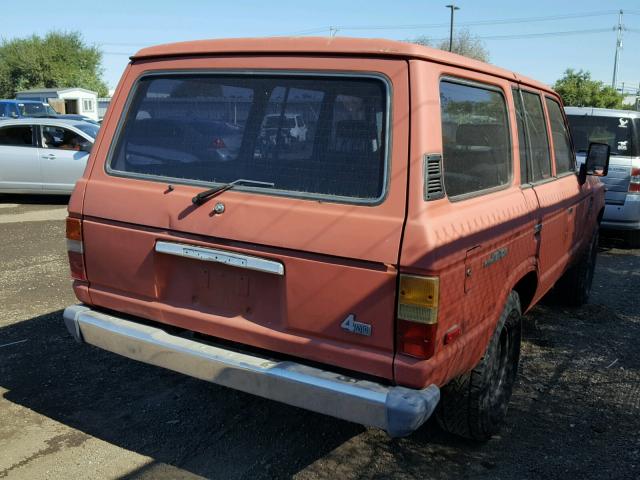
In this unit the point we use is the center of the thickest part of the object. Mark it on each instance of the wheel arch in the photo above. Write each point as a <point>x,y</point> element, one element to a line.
<point>526,288</point>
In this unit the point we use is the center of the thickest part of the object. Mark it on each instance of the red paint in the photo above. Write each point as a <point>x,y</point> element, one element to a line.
<point>339,259</point>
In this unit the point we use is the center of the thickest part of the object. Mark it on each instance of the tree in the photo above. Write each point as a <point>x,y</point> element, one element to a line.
<point>464,43</point>
<point>58,60</point>
<point>579,90</point>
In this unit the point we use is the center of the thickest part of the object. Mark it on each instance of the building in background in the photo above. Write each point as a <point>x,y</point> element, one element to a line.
<point>78,101</point>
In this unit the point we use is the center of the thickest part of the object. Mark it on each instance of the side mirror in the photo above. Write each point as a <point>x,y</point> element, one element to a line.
<point>597,161</point>
<point>86,147</point>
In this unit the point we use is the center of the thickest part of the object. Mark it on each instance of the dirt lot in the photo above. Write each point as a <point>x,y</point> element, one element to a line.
<point>73,411</point>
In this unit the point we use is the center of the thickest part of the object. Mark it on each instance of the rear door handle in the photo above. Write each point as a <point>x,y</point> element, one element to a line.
<point>50,155</point>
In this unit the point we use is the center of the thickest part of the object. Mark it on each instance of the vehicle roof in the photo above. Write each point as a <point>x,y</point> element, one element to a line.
<point>601,112</point>
<point>55,90</point>
<point>62,122</point>
<point>327,46</point>
<point>14,100</point>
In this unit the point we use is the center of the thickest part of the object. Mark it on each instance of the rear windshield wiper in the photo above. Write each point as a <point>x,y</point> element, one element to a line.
<point>201,197</point>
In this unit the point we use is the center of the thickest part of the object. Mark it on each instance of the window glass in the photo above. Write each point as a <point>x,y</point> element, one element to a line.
<point>522,137</point>
<point>538,139</point>
<point>20,136</point>
<point>61,138</point>
<point>35,109</point>
<point>616,131</point>
<point>302,135</point>
<point>475,131</point>
<point>561,141</point>
<point>88,128</point>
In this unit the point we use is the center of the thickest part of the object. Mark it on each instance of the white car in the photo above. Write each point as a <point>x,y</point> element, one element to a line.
<point>43,155</point>
<point>292,123</point>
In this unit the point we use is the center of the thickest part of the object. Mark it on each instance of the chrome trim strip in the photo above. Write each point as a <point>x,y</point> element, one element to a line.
<point>219,256</point>
<point>398,410</point>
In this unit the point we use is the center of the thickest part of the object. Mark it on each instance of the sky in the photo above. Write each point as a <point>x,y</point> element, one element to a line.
<point>519,36</point>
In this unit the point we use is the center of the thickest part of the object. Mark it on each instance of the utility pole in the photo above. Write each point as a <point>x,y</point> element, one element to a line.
<point>616,59</point>
<point>453,9</point>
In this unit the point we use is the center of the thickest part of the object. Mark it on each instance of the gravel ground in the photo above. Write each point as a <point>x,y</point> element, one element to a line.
<point>73,411</point>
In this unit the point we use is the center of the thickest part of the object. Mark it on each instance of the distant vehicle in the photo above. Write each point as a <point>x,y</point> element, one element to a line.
<point>291,124</point>
<point>43,155</point>
<point>25,108</point>
<point>620,129</point>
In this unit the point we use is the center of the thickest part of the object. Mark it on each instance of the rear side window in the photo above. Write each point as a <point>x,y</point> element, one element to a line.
<point>560,135</point>
<point>475,137</point>
<point>315,136</point>
<point>538,139</point>
<point>17,136</point>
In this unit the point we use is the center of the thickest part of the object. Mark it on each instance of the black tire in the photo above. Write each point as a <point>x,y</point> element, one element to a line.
<point>475,404</point>
<point>574,286</point>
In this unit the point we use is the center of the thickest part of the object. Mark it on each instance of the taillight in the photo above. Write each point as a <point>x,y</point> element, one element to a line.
<point>218,143</point>
<point>75,249</point>
<point>417,315</point>
<point>634,183</point>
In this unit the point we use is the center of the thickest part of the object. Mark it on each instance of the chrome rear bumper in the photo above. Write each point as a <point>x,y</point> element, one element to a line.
<point>398,410</point>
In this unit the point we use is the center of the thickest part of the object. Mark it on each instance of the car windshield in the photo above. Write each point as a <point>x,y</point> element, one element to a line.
<point>217,128</point>
<point>35,109</point>
<point>88,128</point>
<point>618,132</point>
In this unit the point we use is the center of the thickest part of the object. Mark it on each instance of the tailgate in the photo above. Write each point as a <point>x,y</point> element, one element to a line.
<point>303,263</point>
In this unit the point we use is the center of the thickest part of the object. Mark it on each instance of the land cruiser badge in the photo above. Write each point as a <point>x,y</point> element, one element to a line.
<point>350,325</point>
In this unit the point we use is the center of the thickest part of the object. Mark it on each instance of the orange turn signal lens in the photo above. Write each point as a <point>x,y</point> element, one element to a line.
<point>74,229</point>
<point>418,299</point>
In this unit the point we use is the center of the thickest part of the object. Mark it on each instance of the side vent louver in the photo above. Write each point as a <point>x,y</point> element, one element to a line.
<point>433,186</point>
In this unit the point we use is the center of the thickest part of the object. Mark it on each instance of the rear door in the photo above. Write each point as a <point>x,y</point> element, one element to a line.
<point>19,164</point>
<point>300,255</point>
<point>61,158</point>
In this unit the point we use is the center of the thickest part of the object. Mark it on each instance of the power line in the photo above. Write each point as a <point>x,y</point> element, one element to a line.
<point>502,21</point>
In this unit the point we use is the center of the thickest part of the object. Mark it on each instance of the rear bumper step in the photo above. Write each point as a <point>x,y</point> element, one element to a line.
<point>398,410</point>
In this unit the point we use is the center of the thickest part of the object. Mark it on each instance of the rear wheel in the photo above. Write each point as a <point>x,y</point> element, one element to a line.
<point>475,404</point>
<point>574,286</point>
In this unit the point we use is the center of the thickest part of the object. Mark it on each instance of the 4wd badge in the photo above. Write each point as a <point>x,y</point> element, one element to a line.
<point>350,325</point>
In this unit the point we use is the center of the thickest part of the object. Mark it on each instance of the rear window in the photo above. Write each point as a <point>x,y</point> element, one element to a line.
<point>217,128</point>
<point>618,132</point>
<point>35,109</point>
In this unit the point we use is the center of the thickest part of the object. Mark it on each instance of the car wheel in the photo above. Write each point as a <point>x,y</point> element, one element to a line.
<point>574,286</point>
<point>475,404</point>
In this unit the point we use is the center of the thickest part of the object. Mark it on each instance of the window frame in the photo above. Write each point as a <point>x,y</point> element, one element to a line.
<point>572,148</point>
<point>34,137</point>
<point>349,74</point>
<point>552,172</point>
<point>486,86</point>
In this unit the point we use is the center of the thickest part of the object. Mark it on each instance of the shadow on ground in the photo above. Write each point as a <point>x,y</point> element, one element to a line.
<point>34,199</point>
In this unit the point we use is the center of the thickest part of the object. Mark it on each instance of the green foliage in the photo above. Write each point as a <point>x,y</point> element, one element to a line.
<point>464,43</point>
<point>59,60</point>
<point>577,89</point>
